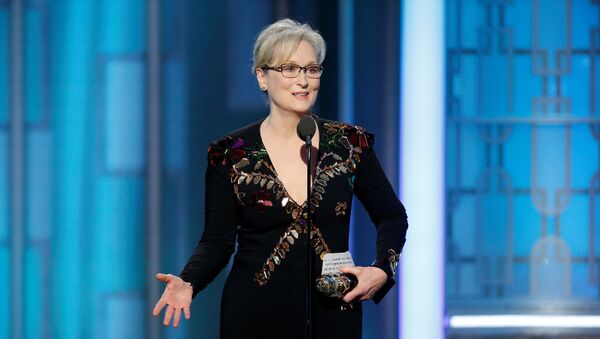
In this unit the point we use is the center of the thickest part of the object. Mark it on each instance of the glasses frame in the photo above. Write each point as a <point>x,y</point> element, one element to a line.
<point>301,69</point>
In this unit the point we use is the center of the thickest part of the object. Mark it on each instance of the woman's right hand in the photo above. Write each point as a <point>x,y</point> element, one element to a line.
<point>177,296</point>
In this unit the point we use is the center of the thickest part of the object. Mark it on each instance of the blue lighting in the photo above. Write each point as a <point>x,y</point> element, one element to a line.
<point>422,168</point>
<point>346,77</point>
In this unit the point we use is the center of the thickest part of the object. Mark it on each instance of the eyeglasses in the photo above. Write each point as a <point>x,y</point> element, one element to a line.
<point>293,70</point>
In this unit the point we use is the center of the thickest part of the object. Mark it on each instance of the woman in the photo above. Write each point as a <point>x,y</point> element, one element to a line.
<point>256,193</point>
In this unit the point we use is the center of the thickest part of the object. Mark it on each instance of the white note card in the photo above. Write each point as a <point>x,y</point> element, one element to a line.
<point>333,261</point>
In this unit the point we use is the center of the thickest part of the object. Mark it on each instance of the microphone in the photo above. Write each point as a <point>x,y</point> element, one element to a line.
<point>306,128</point>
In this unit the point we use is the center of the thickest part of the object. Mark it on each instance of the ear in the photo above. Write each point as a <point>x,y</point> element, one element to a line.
<point>261,79</point>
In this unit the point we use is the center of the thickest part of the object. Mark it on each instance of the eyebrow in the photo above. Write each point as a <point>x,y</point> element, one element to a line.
<point>294,62</point>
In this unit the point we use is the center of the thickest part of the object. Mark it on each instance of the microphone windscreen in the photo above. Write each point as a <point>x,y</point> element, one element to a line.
<point>306,127</point>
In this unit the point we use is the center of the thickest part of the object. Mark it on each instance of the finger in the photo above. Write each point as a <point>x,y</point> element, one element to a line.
<point>177,317</point>
<point>161,277</point>
<point>356,294</point>
<point>186,312</point>
<point>168,316</point>
<point>350,296</point>
<point>158,307</point>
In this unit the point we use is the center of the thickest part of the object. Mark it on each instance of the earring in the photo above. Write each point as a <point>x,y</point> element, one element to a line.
<point>263,88</point>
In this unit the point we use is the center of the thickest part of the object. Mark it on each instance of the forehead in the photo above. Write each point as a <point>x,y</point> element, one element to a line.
<point>303,53</point>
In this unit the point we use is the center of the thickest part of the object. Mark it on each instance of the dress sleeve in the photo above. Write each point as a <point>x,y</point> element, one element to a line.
<point>220,228</point>
<point>375,192</point>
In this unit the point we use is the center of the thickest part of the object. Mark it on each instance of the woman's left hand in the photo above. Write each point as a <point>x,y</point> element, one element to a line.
<point>370,280</point>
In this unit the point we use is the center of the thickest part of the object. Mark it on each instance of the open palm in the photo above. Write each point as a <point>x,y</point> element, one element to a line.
<point>177,296</point>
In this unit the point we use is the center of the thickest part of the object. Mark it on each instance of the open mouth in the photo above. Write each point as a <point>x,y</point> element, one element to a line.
<point>300,94</point>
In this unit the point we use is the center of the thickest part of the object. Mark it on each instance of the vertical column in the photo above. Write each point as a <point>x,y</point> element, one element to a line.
<point>493,213</point>
<point>346,74</point>
<point>422,168</point>
<point>4,169</point>
<point>153,214</point>
<point>390,73</point>
<point>594,186</point>
<point>17,170</point>
<point>374,103</point>
<point>346,62</point>
<point>72,76</point>
<point>120,178</point>
<point>37,172</point>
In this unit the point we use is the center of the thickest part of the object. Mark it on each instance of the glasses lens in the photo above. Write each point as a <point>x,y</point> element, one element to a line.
<point>290,70</point>
<point>313,71</point>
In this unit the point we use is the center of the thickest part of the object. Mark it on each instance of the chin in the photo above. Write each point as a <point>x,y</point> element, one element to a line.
<point>303,111</point>
<point>304,108</point>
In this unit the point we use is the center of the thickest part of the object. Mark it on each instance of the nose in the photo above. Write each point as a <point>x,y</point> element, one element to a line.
<point>301,79</point>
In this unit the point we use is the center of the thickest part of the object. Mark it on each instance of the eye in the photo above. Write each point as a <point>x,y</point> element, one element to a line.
<point>290,68</point>
<point>313,70</point>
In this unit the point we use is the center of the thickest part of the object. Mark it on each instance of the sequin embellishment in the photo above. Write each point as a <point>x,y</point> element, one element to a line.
<point>341,146</point>
<point>340,208</point>
<point>287,240</point>
<point>393,260</point>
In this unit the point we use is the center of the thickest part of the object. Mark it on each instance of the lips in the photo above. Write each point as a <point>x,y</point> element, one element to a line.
<point>300,94</point>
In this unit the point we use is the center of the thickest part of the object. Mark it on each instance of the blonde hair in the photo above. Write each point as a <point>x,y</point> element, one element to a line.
<point>279,40</point>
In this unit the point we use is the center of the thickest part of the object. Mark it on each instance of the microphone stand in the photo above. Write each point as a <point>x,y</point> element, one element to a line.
<point>309,299</point>
<point>306,129</point>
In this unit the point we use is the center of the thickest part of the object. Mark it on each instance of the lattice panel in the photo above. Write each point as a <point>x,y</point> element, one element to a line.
<point>523,151</point>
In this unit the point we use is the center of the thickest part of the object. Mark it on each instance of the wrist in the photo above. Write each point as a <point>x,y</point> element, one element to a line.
<point>187,283</point>
<point>388,264</point>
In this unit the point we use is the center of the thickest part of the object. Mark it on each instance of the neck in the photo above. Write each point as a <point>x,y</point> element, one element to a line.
<point>283,124</point>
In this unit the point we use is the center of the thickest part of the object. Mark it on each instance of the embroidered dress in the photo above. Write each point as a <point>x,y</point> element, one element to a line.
<point>264,295</point>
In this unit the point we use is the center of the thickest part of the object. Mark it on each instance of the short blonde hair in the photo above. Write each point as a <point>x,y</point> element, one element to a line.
<point>280,39</point>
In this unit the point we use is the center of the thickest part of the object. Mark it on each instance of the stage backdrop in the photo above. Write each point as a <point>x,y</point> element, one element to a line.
<point>523,180</point>
<point>107,108</point>
<point>98,96</point>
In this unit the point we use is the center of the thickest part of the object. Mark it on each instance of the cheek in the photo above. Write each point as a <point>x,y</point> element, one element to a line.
<point>281,84</point>
<point>316,85</point>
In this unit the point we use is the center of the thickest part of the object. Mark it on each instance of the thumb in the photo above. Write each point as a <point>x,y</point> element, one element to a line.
<point>162,277</point>
<point>350,269</point>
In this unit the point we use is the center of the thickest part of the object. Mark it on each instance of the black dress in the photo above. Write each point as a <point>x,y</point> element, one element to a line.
<point>264,295</point>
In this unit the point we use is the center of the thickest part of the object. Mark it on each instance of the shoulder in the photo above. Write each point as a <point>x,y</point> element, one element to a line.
<point>231,147</point>
<point>347,135</point>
